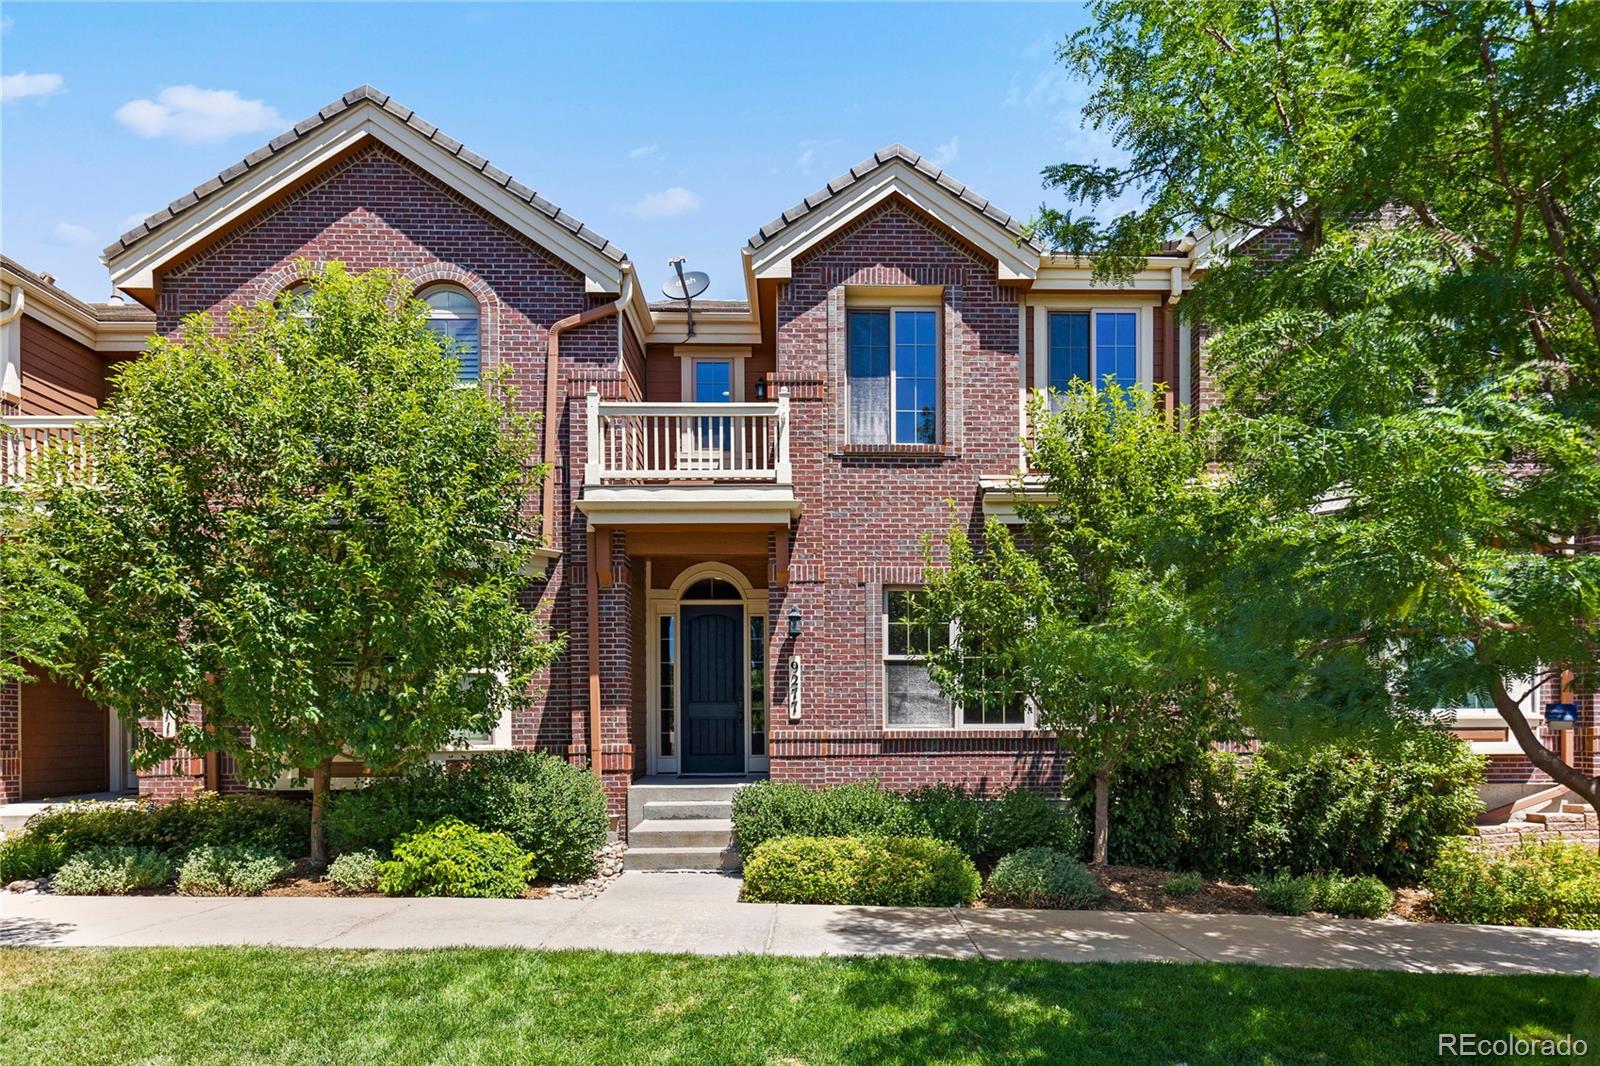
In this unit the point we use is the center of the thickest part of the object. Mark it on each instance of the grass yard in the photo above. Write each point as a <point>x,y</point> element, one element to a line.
<point>230,1005</point>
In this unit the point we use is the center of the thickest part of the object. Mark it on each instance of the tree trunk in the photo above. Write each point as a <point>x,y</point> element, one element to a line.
<point>1102,818</point>
<point>321,777</point>
<point>1539,755</point>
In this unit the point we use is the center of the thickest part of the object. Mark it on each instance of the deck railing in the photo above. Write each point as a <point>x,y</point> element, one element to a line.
<point>24,439</point>
<point>642,442</point>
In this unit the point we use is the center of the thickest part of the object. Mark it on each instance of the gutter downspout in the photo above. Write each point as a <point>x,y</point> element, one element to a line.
<point>552,398</point>
<point>11,375</point>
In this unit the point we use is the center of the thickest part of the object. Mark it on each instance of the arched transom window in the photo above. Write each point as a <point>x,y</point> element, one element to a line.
<point>453,314</point>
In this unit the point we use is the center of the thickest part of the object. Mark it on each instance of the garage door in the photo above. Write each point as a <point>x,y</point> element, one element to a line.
<point>64,742</point>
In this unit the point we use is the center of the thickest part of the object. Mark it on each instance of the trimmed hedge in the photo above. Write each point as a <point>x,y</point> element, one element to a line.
<point>545,805</point>
<point>1554,883</point>
<point>1333,807</point>
<point>978,828</point>
<point>112,872</point>
<point>175,828</point>
<point>230,870</point>
<point>1042,878</point>
<point>885,871</point>
<point>452,858</point>
<point>1348,897</point>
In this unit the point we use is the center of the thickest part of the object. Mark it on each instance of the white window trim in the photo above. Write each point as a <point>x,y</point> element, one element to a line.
<point>1489,718</point>
<point>1144,329</point>
<point>894,369</point>
<point>735,375</point>
<point>957,718</point>
<point>436,314</point>
<point>498,739</point>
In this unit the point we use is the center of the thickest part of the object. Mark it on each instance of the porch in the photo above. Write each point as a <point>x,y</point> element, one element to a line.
<point>25,440</point>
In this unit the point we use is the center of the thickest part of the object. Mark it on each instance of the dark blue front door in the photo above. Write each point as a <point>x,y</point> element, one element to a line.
<point>713,695</point>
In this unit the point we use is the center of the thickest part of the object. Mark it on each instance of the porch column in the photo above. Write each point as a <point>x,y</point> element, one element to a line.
<point>616,618</point>
<point>10,742</point>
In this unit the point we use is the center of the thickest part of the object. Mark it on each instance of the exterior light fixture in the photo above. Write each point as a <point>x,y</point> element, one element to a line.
<point>1561,715</point>
<point>794,621</point>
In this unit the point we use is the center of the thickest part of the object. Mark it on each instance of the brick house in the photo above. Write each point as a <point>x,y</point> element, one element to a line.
<point>736,516</point>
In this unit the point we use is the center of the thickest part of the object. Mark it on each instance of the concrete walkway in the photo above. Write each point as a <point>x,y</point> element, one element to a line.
<point>700,913</point>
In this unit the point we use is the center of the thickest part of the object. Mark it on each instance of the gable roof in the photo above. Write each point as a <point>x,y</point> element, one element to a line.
<point>381,117</point>
<point>896,170</point>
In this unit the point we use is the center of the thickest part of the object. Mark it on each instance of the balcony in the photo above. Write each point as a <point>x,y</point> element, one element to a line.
<point>671,463</point>
<point>24,440</point>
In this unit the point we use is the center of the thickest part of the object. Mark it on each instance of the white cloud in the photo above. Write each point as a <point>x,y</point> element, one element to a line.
<point>946,153</point>
<point>72,233</point>
<point>22,84</point>
<point>5,23</point>
<point>667,203</point>
<point>803,160</point>
<point>194,115</point>
<point>645,151</point>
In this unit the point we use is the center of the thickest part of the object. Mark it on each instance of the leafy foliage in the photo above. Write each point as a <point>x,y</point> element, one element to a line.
<point>26,856</point>
<point>1347,897</point>
<point>112,872</point>
<point>548,806</point>
<point>889,871</point>
<point>1555,883</point>
<point>1042,878</point>
<point>1403,292</point>
<point>230,870</point>
<point>1085,617</point>
<point>354,871</point>
<point>175,827</point>
<point>1339,807</point>
<point>452,858</point>
<point>301,524</point>
<point>1181,885</point>
<point>1020,819</point>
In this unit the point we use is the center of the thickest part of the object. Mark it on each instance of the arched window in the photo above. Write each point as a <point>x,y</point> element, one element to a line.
<point>711,588</point>
<point>453,315</point>
<point>292,301</point>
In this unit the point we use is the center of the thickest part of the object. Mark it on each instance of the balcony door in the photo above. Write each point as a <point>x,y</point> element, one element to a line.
<point>709,439</point>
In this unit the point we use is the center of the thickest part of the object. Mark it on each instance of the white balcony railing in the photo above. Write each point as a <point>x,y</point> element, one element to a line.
<point>639,442</point>
<point>25,438</point>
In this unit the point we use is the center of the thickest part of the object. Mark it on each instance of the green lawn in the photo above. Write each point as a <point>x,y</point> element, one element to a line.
<point>227,1005</point>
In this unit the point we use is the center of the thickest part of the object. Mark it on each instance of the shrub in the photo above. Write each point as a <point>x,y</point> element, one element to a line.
<point>355,871</point>
<point>1348,897</point>
<point>112,872</point>
<point>1554,883</point>
<point>28,856</point>
<point>230,870</point>
<point>948,813</point>
<point>547,806</point>
<point>863,871</point>
<point>1181,885</point>
<point>1019,819</point>
<point>452,858</point>
<point>1042,878</point>
<point>80,826</point>
<point>769,810</point>
<point>1331,807</point>
<point>280,825</point>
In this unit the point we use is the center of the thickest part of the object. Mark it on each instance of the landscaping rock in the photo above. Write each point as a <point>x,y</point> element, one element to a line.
<point>24,885</point>
<point>609,869</point>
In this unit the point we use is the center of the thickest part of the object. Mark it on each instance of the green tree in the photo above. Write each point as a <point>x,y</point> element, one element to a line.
<point>37,605</point>
<point>302,526</point>
<point>1413,392</point>
<point>1084,616</point>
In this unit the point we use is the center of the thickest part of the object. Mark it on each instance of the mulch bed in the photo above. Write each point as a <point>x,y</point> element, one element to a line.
<point>1138,888</point>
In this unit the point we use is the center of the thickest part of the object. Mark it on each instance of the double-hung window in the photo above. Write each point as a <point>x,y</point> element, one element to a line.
<point>893,376</point>
<point>1093,346</point>
<point>911,697</point>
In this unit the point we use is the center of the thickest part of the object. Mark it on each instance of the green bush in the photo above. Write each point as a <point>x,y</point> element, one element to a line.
<point>1180,885</point>
<point>280,825</point>
<point>1332,807</point>
<point>80,826</point>
<point>1363,896</point>
<point>112,872</point>
<point>976,827</point>
<point>547,806</point>
<point>863,871</point>
<point>1020,819</point>
<point>452,858</point>
<point>1554,884</point>
<point>355,871</point>
<point>1042,878</point>
<point>230,870</point>
<point>29,857</point>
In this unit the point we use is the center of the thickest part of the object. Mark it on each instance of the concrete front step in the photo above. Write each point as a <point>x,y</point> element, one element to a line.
<point>682,833</point>
<point>673,810</point>
<point>711,858</point>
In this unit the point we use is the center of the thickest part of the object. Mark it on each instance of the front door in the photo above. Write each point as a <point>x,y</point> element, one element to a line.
<point>713,695</point>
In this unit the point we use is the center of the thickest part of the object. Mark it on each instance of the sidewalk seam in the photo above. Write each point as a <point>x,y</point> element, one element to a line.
<point>1186,949</point>
<point>400,905</point>
<point>955,912</point>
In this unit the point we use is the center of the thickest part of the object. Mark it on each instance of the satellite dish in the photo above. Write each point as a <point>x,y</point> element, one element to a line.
<point>687,285</point>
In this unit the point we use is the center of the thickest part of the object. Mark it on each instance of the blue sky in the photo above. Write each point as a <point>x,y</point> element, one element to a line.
<point>673,130</point>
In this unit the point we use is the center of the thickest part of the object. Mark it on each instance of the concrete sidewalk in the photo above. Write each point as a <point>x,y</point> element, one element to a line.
<point>700,913</point>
